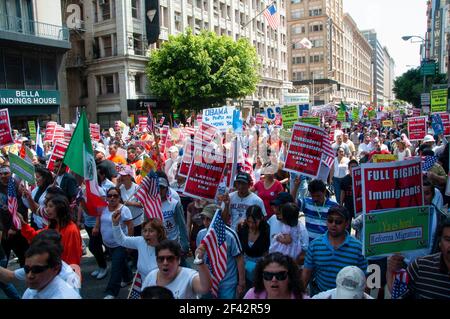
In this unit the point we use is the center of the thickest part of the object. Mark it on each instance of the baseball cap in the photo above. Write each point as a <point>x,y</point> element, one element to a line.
<point>350,283</point>
<point>428,138</point>
<point>243,177</point>
<point>340,210</point>
<point>173,149</point>
<point>162,182</point>
<point>126,170</point>
<point>209,210</point>
<point>5,169</point>
<point>282,198</point>
<point>100,149</point>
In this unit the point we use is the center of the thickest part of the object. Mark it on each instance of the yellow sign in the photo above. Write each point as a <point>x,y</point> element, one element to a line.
<point>289,115</point>
<point>383,158</point>
<point>388,123</point>
<point>147,166</point>
<point>439,101</point>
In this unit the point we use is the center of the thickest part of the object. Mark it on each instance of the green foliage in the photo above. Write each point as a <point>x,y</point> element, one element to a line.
<point>198,71</point>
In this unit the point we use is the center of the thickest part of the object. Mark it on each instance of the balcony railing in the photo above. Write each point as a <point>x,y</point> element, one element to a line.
<point>33,28</point>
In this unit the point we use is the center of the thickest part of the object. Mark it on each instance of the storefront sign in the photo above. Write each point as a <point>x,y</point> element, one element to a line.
<point>29,97</point>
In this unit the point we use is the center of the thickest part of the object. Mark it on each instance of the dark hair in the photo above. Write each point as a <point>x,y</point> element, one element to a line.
<point>295,284</point>
<point>117,189</point>
<point>54,191</point>
<point>289,213</point>
<point>427,152</point>
<point>156,292</point>
<point>353,161</point>
<point>46,246</point>
<point>131,148</point>
<point>163,175</point>
<point>157,225</point>
<point>103,170</point>
<point>48,234</point>
<point>340,210</point>
<point>317,185</point>
<point>46,175</point>
<point>62,212</point>
<point>440,231</point>
<point>171,245</point>
<point>255,212</point>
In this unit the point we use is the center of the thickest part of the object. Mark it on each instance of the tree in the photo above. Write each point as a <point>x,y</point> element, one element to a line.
<point>198,71</point>
<point>409,85</point>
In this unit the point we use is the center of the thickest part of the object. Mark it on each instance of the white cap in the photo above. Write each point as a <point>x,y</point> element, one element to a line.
<point>173,149</point>
<point>428,138</point>
<point>350,283</point>
<point>100,149</point>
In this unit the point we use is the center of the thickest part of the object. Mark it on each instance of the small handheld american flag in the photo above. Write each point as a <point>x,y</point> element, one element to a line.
<point>216,249</point>
<point>400,284</point>
<point>136,287</point>
<point>148,195</point>
<point>12,203</point>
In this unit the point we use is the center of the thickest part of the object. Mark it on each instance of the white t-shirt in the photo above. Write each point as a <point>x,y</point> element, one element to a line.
<point>238,207</point>
<point>181,286</point>
<point>106,225</point>
<point>341,169</point>
<point>56,289</point>
<point>136,212</point>
<point>146,253</point>
<point>276,227</point>
<point>37,219</point>
<point>331,294</point>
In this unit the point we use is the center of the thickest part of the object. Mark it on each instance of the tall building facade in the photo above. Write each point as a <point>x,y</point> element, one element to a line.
<point>337,67</point>
<point>32,45</point>
<point>389,77</point>
<point>377,91</point>
<point>110,51</point>
<point>436,39</point>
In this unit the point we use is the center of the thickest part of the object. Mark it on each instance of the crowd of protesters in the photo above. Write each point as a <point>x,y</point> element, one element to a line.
<point>288,237</point>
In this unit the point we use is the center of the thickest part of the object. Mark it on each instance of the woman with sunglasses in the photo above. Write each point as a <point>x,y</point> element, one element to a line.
<point>185,283</point>
<point>153,233</point>
<point>104,224</point>
<point>276,277</point>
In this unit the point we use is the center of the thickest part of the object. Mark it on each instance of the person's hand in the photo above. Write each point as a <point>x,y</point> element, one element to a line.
<point>395,263</point>
<point>116,218</point>
<point>11,233</point>
<point>200,251</point>
<point>240,289</point>
<point>225,198</point>
<point>297,181</point>
<point>95,231</point>
<point>22,220</point>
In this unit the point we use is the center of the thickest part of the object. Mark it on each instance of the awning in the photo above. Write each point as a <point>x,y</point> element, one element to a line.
<point>34,110</point>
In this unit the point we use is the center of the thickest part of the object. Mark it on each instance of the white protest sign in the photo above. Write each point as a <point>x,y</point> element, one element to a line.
<point>220,117</point>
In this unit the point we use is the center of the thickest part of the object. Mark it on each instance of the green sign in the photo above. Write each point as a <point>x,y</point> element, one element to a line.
<point>439,101</point>
<point>29,97</point>
<point>311,120</point>
<point>428,68</point>
<point>341,116</point>
<point>346,125</point>
<point>285,135</point>
<point>372,114</point>
<point>396,230</point>
<point>289,114</point>
<point>22,168</point>
<point>32,129</point>
<point>355,115</point>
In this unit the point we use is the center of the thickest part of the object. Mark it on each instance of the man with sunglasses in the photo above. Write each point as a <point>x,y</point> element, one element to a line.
<point>331,252</point>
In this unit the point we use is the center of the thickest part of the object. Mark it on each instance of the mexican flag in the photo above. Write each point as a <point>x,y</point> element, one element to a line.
<point>79,157</point>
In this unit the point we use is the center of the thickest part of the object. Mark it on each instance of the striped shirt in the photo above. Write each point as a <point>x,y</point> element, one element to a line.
<point>315,216</point>
<point>429,278</point>
<point>326,261</point>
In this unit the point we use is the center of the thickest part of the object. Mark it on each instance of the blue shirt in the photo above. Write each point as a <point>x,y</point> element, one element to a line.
<point>234,249</point>
<point>326,261</point>
<point>315,216</point>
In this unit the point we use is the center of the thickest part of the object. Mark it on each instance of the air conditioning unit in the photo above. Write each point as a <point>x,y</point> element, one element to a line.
<point>177,18</point>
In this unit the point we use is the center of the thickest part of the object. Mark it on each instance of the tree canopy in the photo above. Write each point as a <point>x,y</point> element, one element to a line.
<point>199,71</point>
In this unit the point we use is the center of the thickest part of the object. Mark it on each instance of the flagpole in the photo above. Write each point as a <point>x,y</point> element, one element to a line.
<point>245,26</point>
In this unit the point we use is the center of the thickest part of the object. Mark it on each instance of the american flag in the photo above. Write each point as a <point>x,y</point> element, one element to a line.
<point>12,203</point>
<point>148,195</point>
<point>161,121</point>
<point>272,16</point>
<point>328,152</point>
<point>216,250</point>
<point>428,162</point>
<point>136,287</point>
<point>150,124</point>
<point>400,284</point>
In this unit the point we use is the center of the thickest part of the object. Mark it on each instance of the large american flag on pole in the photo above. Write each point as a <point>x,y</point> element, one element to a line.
<point>272,16</point>
<point>12,203</point>
<point>148,195</point>
<point>216,249</point>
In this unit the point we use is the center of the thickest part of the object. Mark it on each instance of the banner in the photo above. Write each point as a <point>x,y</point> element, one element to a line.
<point>341,116</point>
<point>392,185</point>
<point>49,132</point>
<point>445,117</point>
<point>58,152</point>
<point>23,169</point>
<point>59,134</point>
<point>272,111</point>
<point>439,101</point>
<point>205,173</point>
<point>220,117</point>
<point>384,158</point>
<point>305,150</point>
<point>397,230</point>
<point>259,119</point>
<point>32,129</point>
<point>186,160</point>
<point>417,128</point>
<point>310,120</point>
<point>355,115</point>
<point>6,137</point>
<point>357,190</point>
<point>142,123</point>
<point>289,115</point>
<point>95,131</point>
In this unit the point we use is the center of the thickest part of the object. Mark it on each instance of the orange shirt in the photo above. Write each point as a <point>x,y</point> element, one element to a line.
<point>117,159</point>
<point>70,240</point>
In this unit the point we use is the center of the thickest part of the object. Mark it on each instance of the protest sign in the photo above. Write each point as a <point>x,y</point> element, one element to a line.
<point>341,116</point>
<point>416,112</point>
<point>392,185</point>
<point>445,117</point>
<point>59,134</point>
<point>278,121</point>
<point>219,117</point>
<point>49,132</point>
<point>305,150</point>
<point>437,124</point>
<point>346,125</point>
<point>272,111</point>
<point>357,190</point>
<point>6,137</point>
<point>186,160</point>
<point>32,129</point>
<point>289,115</point>
<point>396,230</point>
<point>387,123</point>
<point>205,133</point>
<point>259,119</point>
<point>285,135</point>
<point>439,101</point>
<point>417,128</point>
<point>23,169</point>
<point>384,158</point>
<point>95,131</point>
<point>125,133</point>
<point>147,166</point>
<point>355,115</point>
<point>58,152</point>
<point>142,123</point>
<point>311,120</point>
<point>205,173</point>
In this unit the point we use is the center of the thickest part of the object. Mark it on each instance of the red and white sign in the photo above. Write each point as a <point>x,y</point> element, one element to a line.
<point>186,160</point>
<point>417,128</point>
<point>446,123</point>
<point>58,152</point>
<point>357,190</point>
<point>205,133</point>
<point>164,133</point>
<point>259,119</point>
<point>50,132</point>
<point>305,150</point>
<point>161,121</point>
<point>392,185</point>
<point>278,120</point>
<point>59,134</point>
<point>95,131</point>
<point>205,174</point>
<point>6,137</point>
<point>142,123</point>
<point>415,112</point>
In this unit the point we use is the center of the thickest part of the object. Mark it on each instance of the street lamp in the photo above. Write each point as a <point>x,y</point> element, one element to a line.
<point>306,44</point>
<point>424,43</point>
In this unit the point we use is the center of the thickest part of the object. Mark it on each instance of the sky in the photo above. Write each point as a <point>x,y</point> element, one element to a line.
<point>393,19</point>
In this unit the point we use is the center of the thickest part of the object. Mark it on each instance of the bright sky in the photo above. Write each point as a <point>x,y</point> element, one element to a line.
<point>393,19</point>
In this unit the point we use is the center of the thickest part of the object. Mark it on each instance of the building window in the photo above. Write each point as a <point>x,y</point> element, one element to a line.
<point>137,44</point>
<point>107,119</point>
<point>296,1</point>
<point>107,46</point>
<point>298,60</point>
<point>315,12</point>
<point>297,29</point>
<point>105,9</point>
<point>49,73</point>
<point>14,71</point>
<point>316,58</point>
<point>138,83</point>
<point>107,84</point>
<point>135,9</point>
<point>32,72</point>
<point>298,76</point>
<point>297,14</point>
<point>316,27</point>
<point>178,19</point>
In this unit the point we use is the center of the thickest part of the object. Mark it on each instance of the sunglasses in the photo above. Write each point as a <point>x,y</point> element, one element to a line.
<point>170,259</point>
<point>280,276</point>
<point>112,196</point>
<point>35,269</point>
<point>336,221</point>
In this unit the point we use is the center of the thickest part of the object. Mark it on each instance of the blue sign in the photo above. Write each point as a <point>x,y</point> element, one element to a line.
<point>302,108</point>
<point>272,111</point>
<point>436,123</point>
<point>237,121</point>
